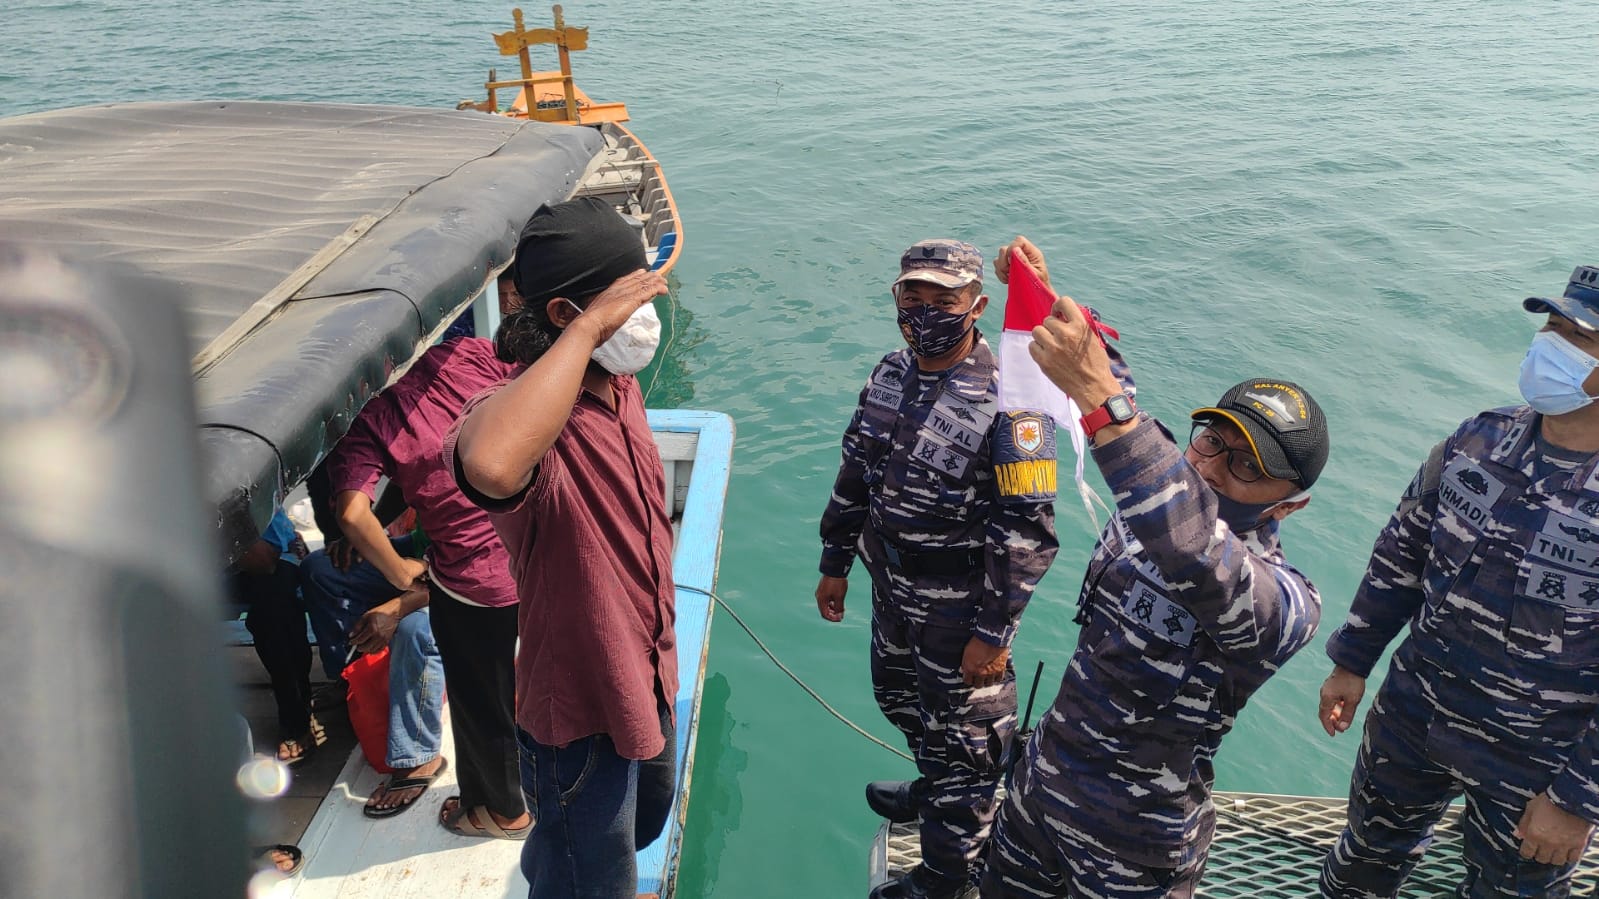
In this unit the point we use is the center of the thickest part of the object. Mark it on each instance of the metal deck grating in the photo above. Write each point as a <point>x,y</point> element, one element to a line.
<point>1270,847</point>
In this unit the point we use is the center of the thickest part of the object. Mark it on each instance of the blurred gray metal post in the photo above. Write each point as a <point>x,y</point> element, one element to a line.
<point>118,741</point>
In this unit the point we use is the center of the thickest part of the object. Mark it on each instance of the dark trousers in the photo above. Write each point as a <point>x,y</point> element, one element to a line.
<point>478,647</point>
<point>592,811</point>
<point>958,734</point>
<point>1031,855</point>
<point>277,623</point>
<point>1399,792</point>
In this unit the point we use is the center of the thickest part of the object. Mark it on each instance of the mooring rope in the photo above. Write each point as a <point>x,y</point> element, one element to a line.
<point>794,677</point>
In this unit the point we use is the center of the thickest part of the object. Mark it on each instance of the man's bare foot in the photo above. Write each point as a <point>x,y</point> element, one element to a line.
<point>452,810</point>
<point>387,800</point>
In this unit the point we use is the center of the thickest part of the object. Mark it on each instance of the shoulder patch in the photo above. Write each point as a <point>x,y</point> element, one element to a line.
<point>1020,436</point>
<point>1024,455</point>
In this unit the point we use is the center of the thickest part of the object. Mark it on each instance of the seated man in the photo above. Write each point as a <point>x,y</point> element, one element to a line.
<point>353,608</point>
<point>339,585</point>
<point>263,581</point>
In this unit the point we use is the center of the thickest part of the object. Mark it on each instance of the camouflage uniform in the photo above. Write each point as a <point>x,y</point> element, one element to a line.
<point>1182,620</point>
<point>935,477</point>
<point>1493,563</point>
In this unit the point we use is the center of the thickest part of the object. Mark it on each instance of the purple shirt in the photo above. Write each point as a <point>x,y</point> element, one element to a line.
<point>591,548</point>
<point>400,433</point>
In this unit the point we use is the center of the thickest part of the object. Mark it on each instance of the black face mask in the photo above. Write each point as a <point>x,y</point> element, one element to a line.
<point>1241,517</point>
<point>931,331</point>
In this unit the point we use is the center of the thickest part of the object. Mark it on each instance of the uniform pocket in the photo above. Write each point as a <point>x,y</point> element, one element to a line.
<point>1553,635</point>
<point>944,490</point>
<point>1141,674</point>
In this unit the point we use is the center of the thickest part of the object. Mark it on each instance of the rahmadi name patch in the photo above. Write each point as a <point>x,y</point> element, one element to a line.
<point>1469,492</point>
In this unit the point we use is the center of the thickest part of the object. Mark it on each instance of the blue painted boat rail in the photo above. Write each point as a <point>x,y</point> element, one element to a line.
<point>694,565</point>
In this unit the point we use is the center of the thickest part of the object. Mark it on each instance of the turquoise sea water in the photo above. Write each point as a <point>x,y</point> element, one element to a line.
<point>1353,195</point>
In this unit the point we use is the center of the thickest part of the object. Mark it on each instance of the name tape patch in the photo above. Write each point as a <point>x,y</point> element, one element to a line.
<point>1567,542</point>
<point>954,432</point>
<point>884,397</point>
<point>1469,492</point>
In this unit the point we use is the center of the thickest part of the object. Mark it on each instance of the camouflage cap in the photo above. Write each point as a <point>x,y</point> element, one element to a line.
<point>1580,302</point>
<point>945,262</point>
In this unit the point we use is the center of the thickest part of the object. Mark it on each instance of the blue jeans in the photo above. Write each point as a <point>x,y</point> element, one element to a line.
<point>335,600</point>
<point>416,693</point>
<point>592,811</point>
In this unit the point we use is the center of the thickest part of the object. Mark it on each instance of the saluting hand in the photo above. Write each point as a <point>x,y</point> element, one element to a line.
<point>1340,696</point>
<point>611,308</point>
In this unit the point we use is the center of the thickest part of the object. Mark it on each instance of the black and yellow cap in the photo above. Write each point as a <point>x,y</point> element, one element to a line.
<point>1285,427</point>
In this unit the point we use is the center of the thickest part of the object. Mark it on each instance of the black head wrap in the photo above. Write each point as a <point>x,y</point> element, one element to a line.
<point>575,249</point>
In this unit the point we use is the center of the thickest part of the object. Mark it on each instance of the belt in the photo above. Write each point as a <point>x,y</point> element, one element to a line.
<point>948,562</point>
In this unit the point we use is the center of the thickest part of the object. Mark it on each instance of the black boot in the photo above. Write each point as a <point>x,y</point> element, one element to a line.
<point>920,883</point>
<point>899,801</point>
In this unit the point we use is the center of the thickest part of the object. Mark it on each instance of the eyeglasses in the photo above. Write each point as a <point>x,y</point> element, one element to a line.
<point>1243,463</point>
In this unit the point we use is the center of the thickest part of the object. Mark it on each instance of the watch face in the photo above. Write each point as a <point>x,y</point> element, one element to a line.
<point>1120,408</point>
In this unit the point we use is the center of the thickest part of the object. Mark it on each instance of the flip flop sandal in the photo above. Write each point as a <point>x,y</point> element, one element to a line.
<point>461,822</point>
<point>406,783</point>
<point>307,749</point>
<point>264,859</point>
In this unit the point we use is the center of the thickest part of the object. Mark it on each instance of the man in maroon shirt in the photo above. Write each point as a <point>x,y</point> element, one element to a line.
<point>470,595</point>
<point>563,459</point>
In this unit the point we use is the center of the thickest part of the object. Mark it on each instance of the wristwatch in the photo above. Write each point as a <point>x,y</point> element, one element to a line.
<point>1119,409</point>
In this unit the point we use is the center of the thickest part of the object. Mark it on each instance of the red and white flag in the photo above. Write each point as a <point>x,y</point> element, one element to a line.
<point>1022,384</point>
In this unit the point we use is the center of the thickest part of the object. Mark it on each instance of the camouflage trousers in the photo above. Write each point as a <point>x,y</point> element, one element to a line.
<point>1398,794</point>
<point>1032,856</point>
<point>959,735</point>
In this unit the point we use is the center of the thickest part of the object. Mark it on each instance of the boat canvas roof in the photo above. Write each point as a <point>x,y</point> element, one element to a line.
<point>318,248</point>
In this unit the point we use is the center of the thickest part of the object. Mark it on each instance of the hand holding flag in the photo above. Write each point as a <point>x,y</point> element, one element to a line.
<point>1048,351</point>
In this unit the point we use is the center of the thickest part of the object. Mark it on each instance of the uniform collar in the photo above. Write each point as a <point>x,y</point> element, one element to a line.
<point>1512,450</point>
<point>971,379</point>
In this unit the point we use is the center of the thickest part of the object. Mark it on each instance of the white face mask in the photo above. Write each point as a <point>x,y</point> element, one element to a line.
<point>633,345</point>
<point>1552,375</point>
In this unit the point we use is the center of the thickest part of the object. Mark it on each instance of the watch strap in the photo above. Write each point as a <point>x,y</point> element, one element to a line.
<point>1102,416</point>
